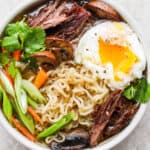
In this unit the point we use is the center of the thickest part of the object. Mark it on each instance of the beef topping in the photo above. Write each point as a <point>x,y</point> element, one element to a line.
<point>121,117</point>
<point>102,116</point>
<point>74,24</point>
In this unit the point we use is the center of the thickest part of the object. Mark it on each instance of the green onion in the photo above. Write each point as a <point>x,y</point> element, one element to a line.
<point>33,91</point>
<point>26,119</point>
<point>7,107</point>
<point>6,84</point>
<point>20,93</point>
<point>32,103</point>
<point>57,126</point>
<point>129,93</point>
<point>1,94</point>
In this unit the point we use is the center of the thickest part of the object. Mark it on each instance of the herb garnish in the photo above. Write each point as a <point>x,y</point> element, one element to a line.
<point>20,36</point>
<point>139,91</point>
<point>4,59</point>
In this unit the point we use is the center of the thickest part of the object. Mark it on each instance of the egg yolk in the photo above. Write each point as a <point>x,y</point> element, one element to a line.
<point>122,58</point>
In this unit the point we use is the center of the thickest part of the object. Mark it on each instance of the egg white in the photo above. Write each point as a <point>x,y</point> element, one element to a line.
<point>87,52</point>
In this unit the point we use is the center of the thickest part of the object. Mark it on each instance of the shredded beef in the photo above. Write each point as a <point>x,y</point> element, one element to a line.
<point>49,16</point>
<point>102,116</point>
<point>68,17</point>
<point>112,116</point>
<point>121,117</point>
<point>78,16</point>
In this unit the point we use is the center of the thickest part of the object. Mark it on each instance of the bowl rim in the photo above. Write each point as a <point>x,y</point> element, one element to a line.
<point>107,144</point>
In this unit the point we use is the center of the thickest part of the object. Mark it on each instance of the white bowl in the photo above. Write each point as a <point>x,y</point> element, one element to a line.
<point>107,144</point>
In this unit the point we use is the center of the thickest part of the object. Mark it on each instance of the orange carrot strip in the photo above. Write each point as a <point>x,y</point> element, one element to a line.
<point>35,116</point>
<point>17,55</point>
<point>41,78</point>
<point>10,78</point>
<point>22,129</point>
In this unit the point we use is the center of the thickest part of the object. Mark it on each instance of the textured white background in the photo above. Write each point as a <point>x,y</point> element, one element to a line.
<point>140,138</point>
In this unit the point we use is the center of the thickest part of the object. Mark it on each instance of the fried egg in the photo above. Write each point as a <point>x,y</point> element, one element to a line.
<point>112,50</point>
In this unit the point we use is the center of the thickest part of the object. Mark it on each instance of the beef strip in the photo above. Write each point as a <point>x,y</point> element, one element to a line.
<point>78,17</point>
<point>102,116</point>
<point>121,117</point>
<point>37,19</point>
<point>55,18</point>
<point>111,117</point>
<point>49,16</point>
<point>65,18</point>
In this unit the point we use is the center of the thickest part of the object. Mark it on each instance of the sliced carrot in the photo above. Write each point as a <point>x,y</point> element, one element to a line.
<point>22,129</point>
<point>17,55</point>
<point>35,116</point>
<point>41,78</point>
<point>10,78</point>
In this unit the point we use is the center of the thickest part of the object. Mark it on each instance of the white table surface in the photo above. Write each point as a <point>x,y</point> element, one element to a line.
<point>140,138</point>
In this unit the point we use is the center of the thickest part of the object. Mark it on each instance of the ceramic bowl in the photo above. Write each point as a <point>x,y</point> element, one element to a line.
<point>105,145</point>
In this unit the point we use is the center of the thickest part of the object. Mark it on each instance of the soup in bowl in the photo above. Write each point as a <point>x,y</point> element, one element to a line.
<point>72,76</point>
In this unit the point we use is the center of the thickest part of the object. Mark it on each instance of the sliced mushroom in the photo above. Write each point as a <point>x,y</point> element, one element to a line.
<point>76,140</point>
<point>103,10</point>
<point>62,49</point>
<point>46,59</point>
